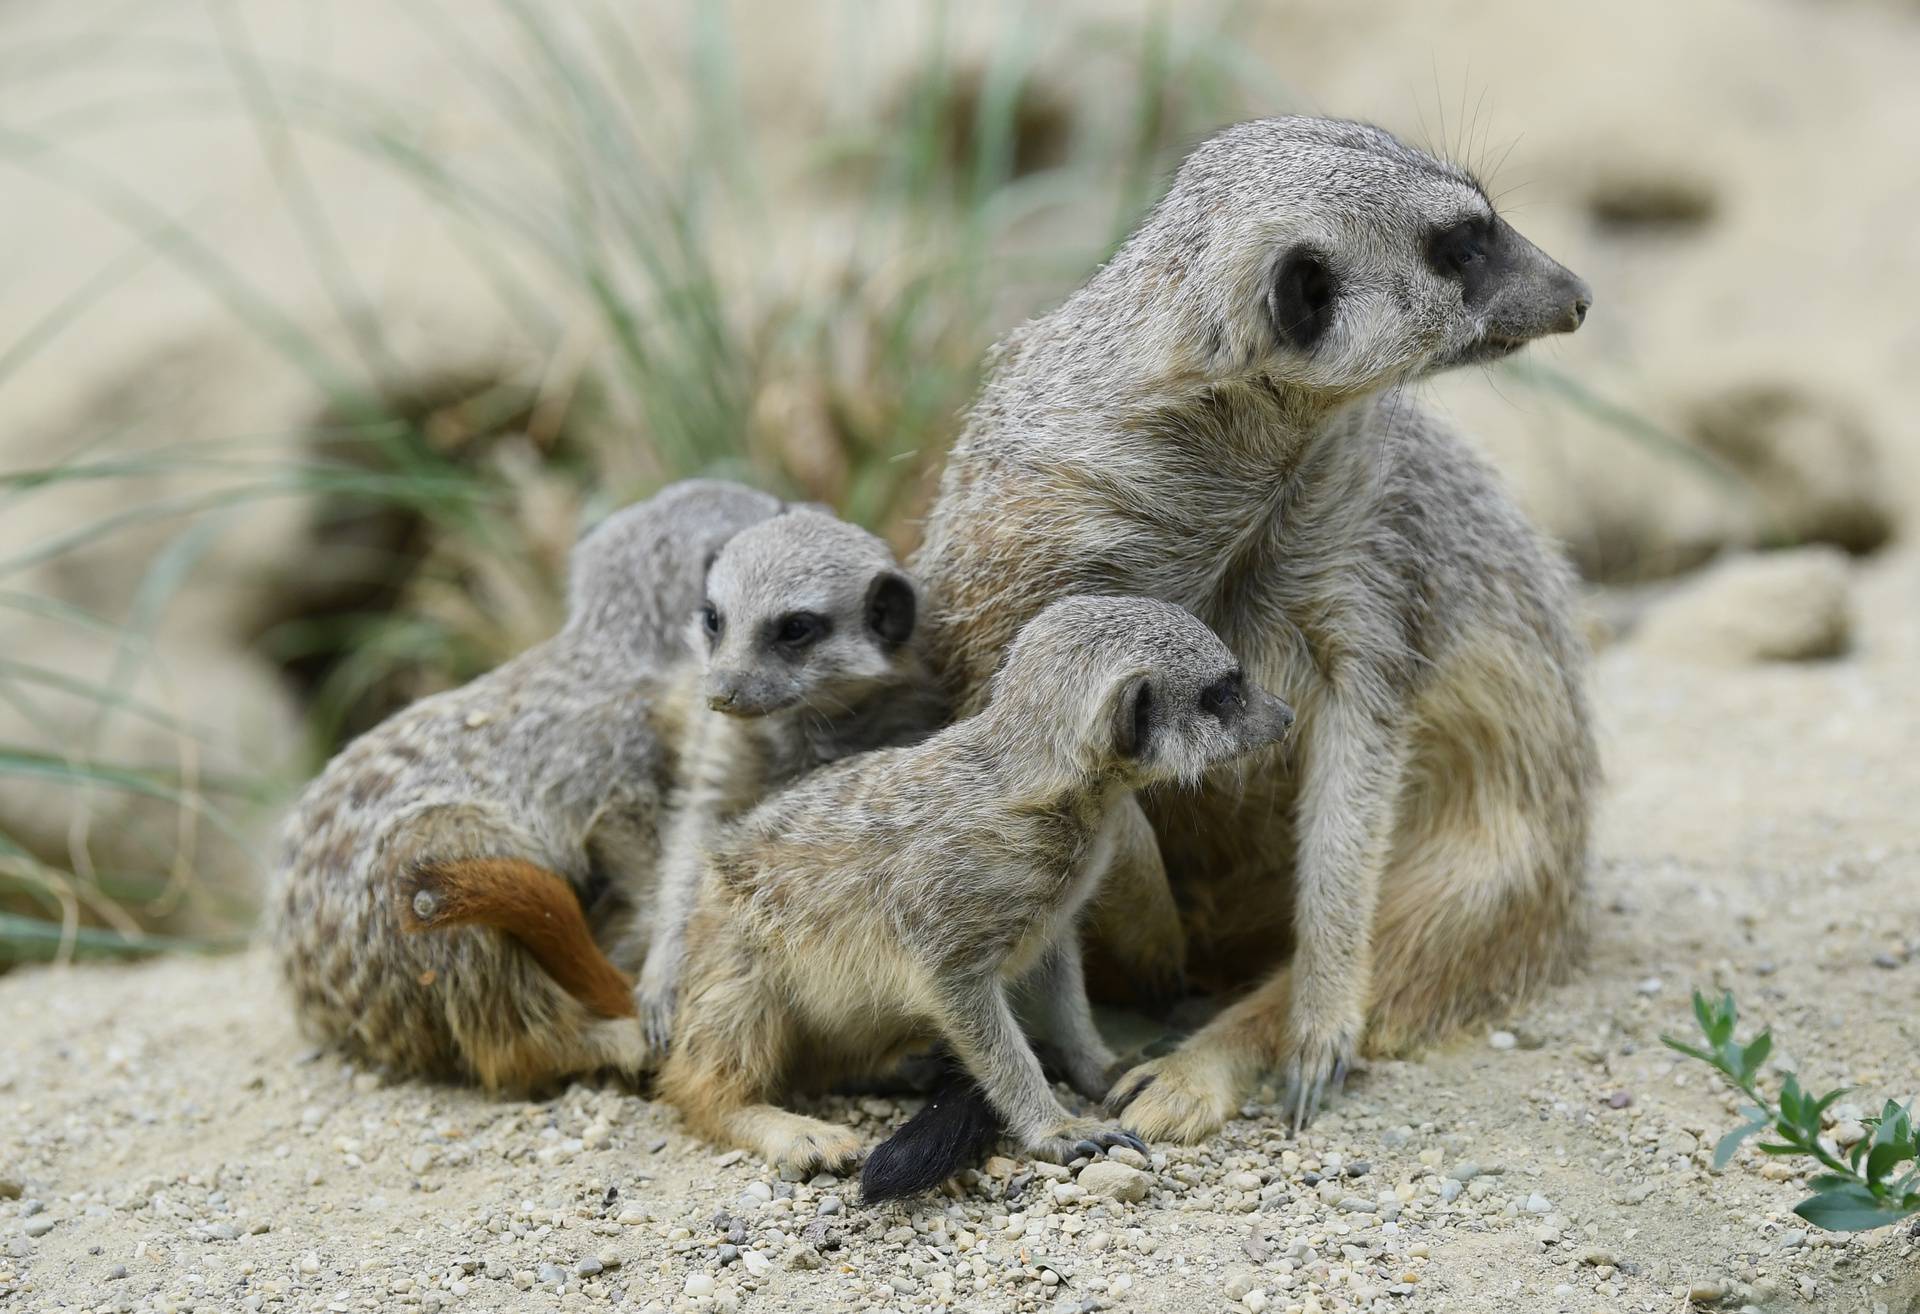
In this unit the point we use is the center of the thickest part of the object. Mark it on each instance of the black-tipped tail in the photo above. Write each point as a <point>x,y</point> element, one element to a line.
<point>952,1132</point>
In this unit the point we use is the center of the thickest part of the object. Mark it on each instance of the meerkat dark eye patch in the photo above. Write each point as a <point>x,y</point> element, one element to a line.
<point>1225,698</point>
<point>800,629</point>
<point>1466,252</point>
<point>1300,302</point>
<point>1133,718</point>
<point>891,608</point>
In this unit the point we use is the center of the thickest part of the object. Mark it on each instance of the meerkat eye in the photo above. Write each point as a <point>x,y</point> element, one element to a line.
<point>710,620</point>
<point>1454,250</point>
<point>1225,697</point>
<point>800,628</point>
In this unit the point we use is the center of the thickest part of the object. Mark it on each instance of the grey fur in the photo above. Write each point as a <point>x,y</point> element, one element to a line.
<point>1164,432</point>
<point>563,757</point>
<point>776,710</point>
<point>905,894</point>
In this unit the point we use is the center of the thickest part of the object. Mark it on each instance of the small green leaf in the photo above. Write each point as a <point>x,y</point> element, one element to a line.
<point>1755,1054</point>
<point>1688,1050</point>
<point>1723,1021</point>
<point>1850,1208</point>
<point>1703,1013</point>
<point>1731,1142</point>
<point>1880,1161</point>
<point>1827,1181</point>
<point>1777,1148</point>
<point>1790,1100</point>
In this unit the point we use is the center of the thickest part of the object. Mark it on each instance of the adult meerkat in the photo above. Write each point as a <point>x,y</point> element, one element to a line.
<point>809,640</point>
<point>908,894</point>
<point>1221,417</point>
<point>507,803</point>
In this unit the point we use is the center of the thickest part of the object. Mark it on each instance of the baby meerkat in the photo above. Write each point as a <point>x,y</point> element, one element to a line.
<point>490,813</point>
<point>810,650</point>
<point>909,894</point>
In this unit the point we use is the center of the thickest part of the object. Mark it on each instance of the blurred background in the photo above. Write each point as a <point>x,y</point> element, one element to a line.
<point>325,328</point>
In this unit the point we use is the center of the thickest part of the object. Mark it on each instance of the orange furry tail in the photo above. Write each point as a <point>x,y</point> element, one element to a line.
<point>529,903</point>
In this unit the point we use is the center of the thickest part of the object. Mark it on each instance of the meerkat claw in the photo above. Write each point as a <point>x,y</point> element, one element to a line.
<point>1117,1101</point>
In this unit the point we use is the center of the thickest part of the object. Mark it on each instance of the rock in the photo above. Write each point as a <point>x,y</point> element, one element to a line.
<point>1357,1204</point>
<point>1115,1180</point>
<point>1619,1099</point>
<point>1597,1257</point>
<point>1239,1284</point>
<point>1242,1181</point>
<point>10,1189</point>
<point>1778,606</point>
<point>1539,1204</point>
<point>1848,1134</point>
<point>1652,985</point>
<point>697,1285</point>
<point>756,1264</point>
<point>1707,1292</point>
<point>1129,1156</point>
<point>588,1267</point>
<point>38,1227</point>
<point>1255,1300</point>
<point>552,1274</point>
<point>1503,1040</point>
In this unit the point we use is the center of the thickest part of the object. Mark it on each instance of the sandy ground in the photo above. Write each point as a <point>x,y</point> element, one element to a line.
<point>174,1147</point>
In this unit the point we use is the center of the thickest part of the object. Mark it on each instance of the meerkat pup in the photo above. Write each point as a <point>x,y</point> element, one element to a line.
<point>909,894</point>
<point>1223,417</point>
<point>491,812</point>
<point>810,651</point>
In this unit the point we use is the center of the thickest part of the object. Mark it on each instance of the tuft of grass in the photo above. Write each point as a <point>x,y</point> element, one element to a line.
<point>1854,1193</point>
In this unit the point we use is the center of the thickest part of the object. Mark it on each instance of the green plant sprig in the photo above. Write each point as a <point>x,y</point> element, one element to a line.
<point>1854,1194</point>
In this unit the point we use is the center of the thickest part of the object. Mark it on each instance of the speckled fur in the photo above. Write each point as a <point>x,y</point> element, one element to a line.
<point>861,684</point>
<point>915,893</point>
<point>563,757</point>
<point>1421,856</point>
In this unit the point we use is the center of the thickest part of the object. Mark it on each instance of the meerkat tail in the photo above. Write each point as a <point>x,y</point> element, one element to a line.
<point>535,906</point>
<point>956,1127</point>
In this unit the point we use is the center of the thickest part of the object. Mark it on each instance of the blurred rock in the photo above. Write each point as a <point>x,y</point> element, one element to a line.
<point>1776,606</point>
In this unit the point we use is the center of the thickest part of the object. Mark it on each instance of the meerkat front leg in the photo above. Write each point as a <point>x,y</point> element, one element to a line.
<point>656,993</point>
<point>1056,990</point>
<point>1309,1017</point>
<point>982,1031</point>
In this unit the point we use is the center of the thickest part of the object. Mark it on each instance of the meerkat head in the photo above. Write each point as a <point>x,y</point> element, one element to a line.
<point>1138,686</point>
<point>804,611</point>
<point>636,575</point>
<point>1329,256</point>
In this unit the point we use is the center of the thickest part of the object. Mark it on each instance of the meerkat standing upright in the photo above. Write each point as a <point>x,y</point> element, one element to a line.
<point>909,893</point>
<point>506,802</point>
<point>811,652</point>
<point>1221,418</point>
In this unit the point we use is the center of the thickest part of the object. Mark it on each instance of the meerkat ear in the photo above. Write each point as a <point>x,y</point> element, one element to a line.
<point>1300,303</point>
<point>1133,717</point>
<point>892,607</point>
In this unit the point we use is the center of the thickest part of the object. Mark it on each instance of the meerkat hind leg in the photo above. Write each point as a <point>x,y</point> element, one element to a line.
<point>1185,1096</point>
<point>984,1034</point>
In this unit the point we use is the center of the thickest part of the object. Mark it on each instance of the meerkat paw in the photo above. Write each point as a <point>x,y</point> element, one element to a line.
<point>1179,1097</point>
<point>1317,1067</point>
<point>655,1005</point>
<point>1081,1138</point>
<point>793,1140</point>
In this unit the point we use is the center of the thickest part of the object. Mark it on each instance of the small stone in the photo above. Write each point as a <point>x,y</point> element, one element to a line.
<point>588,1267</point>
<point>1464,1172</point>
<point>1707,1293</point>
<point>1793,1239</point>
<point>37,1227</point>
<point>1115,1181</point>
<point>28,1208</point>
<point>804,1257</point>
<point>1596,1257</point>
<point>1358,1168</point>
<point>224,1232</point>
<point>1450,1190</point>
<point>1238,1285</point>
<point>1503,1040</point>
<point>1242,1181</point>
<point>421,1159</point>
<point>1539,1204</point>
<point>756,1263</point>
<point>117,1273</point>
<point>697,1285</point>
<point>1652,985</point>
<point>999,1166</point>
<point>1255,1300</point>
<point>1356,1204</point>
<point>552,1275</point>
<point>728,1254</point>
<point>1885,961</point>
<point>729,1159</point>
<point>310,1262</point>
<point>1619,1099</point>
<point>10,1189</point>
<point>829,1204</point>
<point>1848,1134</point>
